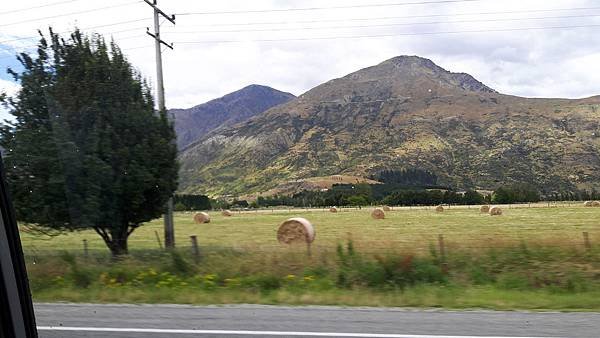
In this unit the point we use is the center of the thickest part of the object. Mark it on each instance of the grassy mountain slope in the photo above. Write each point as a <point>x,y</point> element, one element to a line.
<point>404,113</point>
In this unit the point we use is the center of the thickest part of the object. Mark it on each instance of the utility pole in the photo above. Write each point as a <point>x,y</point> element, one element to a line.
<point>168,218</point>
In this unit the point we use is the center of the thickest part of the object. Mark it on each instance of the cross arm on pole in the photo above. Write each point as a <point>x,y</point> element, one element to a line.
<point>168,17</point>
<point>158,39</point>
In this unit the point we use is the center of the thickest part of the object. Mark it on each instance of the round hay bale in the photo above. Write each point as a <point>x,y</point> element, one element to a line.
<point>386,208</point>
<point>333,209</point>
<point>296,230</point>
<point>201,217</point>
<point>378,213</point>
<point>439,208</point>
<point>588,203</point>
<point>595,204</point>
<point>484,209</point>
<point>495,211</point>
<point>227,213</point>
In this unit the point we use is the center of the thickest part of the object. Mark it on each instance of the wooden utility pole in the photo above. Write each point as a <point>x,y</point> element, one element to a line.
<point>168,219</point>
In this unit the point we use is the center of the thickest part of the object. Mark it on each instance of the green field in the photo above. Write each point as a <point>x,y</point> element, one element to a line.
<point>403,229</point>
<point>527,258</point>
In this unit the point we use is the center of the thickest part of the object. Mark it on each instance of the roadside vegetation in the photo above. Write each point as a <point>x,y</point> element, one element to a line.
<point>522,277</point>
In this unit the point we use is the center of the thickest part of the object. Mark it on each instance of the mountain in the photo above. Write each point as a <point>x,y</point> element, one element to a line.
<point>405,112</point>
<point>193,123</point>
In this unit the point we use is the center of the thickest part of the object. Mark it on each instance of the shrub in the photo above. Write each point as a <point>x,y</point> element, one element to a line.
<point>179,265</point>
<point>385,271</point>
<point>261,282</point>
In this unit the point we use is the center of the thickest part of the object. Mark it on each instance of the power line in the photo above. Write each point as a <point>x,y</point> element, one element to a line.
<point>85,28</point>
<point>396,17</point>
<point>389,35</point>
<point>331,7</point>
<point>67,14</point>
<point>391,24</point>
<point>36,7</point>
<point>14,49</point>
<point>123,49</point>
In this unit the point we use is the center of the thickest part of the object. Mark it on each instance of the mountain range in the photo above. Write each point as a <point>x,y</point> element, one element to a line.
<point>193,123</point>
<point>405,112</point>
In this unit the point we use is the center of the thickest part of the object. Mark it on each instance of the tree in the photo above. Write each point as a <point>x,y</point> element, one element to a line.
<point>87,150</point>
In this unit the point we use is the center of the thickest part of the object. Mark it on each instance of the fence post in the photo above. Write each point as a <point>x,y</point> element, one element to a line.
<point>195,250</point>
<point>158,239</point>
<point>586,240</point>
<point>85,248</point>
<point>443,253</point>
<point>308,249</point>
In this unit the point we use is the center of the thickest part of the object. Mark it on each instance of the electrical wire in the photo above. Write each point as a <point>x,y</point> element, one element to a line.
<point>389,35</point>
<point>68,14</point>
<point>123,49</point>
<point>108,33</point>
<point>331,7</point>
<point>390,24</point>
<point>394,17</point>
<point>85,28</point>
<point>37,7</point>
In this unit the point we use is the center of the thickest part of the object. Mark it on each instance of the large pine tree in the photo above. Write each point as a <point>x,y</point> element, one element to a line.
<point>86,148</point>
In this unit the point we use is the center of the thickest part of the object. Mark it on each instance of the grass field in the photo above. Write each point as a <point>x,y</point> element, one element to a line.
<point>403,229</point>
<point>528,258</point>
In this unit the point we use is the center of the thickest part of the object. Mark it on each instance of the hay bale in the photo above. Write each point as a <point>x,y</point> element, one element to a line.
<point>587,203</point>
<point>495,211</point>
<point>201,217</point>
<point>333,209</point>
<point>296,230</point>
<point>595,204</point>
<point>378,213</point>
<point>227,213</point>
<point>386,208</point>
<point>439,208</point>
<point>484,209</point>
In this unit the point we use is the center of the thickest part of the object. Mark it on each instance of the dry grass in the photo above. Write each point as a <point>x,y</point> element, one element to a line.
<point>404,229</point>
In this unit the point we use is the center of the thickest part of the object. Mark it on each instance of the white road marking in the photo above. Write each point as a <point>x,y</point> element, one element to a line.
<point>256,333</point>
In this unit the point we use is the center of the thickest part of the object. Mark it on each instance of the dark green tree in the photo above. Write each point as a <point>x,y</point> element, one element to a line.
<point>86,149</point>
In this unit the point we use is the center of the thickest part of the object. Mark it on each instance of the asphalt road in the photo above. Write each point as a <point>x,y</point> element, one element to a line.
<point>181,321</point>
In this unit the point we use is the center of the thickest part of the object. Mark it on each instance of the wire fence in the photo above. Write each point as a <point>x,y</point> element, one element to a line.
<point>440,243</point>
<point>291,209</point>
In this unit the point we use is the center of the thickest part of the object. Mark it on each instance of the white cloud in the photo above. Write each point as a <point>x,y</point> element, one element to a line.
<point>553,63</point>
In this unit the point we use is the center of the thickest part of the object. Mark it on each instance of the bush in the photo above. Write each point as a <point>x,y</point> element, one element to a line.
<point>179,265</point>
<point>385,271</point>
<point>261,282</point>
<point>180,207</point>
<point>82,278</point>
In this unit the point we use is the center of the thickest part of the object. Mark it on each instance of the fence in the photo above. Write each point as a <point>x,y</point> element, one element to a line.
<point>442,244</point>
<point>290,209</point>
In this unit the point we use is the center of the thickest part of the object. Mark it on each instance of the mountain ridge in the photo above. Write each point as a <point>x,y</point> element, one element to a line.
<point>405,112</point>
<point>193,123</point>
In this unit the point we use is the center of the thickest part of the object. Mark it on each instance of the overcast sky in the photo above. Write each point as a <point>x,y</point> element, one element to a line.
<point>217,53</point>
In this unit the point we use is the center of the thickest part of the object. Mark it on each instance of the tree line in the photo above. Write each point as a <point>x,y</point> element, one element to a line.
<point>373,194</point>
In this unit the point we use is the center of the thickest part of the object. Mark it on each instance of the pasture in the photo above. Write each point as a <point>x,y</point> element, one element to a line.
<point>403,229</point>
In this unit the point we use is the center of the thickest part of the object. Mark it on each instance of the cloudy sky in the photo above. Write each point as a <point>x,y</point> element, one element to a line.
<point>537,48</point>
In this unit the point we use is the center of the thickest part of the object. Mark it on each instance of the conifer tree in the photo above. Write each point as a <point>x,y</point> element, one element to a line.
<point>86,149</point>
